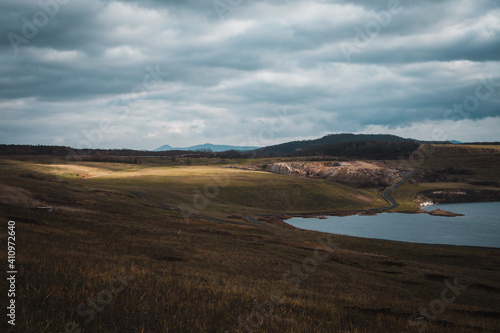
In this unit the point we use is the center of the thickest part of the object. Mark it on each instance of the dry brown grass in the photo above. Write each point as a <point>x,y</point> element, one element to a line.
<point>17,196</point>
<point>207,276</point>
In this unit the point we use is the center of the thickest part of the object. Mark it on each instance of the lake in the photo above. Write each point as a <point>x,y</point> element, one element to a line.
<point>479,227</point>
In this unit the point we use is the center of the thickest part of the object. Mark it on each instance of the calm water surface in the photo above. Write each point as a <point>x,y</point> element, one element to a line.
<point>479,227</point>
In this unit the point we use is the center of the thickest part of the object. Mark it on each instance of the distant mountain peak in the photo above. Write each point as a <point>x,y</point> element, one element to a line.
<point>206,146</point>
<point>163,148</point>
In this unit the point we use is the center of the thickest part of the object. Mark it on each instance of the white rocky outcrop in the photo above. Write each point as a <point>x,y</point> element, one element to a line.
<point>371,173</point>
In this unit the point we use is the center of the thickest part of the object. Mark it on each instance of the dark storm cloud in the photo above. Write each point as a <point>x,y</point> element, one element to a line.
<point>187,72</point>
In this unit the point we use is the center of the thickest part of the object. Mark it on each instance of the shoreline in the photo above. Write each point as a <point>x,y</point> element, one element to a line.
<point>423,227</point>
<point>280,219</point>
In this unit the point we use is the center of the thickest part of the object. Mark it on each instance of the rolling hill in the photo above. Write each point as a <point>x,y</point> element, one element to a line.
<point>206,147</point>
<point>293,146</point>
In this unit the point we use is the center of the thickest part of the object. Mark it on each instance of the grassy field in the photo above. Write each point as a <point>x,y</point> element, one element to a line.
<point>237,191</point>
<point>482,162</point>
<point>109,260</point>
<point>215,191</point>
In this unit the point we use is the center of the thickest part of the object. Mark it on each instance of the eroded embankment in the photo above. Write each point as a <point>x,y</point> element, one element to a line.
<point>360,173</point>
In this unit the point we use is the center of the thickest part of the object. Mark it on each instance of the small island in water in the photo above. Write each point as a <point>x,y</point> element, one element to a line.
<point>442,212</point>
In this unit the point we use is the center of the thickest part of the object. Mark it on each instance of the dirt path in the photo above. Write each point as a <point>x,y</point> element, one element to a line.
<point>386,194</point>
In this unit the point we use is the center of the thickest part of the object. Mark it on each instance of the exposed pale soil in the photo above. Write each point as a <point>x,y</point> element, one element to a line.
<point>367,174</point>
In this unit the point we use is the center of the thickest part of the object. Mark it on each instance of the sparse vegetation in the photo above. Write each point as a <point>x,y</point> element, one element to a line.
<point>210,275</point>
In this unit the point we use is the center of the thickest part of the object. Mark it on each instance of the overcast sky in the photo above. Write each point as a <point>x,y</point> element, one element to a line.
<point>141,74</point>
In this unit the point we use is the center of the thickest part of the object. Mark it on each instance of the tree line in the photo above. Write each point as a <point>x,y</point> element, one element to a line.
<point>393,149</point>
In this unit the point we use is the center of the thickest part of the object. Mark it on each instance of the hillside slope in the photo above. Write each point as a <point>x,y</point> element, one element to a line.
<point>106,260</point>
<point>293,146</point>
<point>359,173</point>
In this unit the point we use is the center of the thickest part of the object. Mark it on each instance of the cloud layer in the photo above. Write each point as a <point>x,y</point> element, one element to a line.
<point>140,74</point>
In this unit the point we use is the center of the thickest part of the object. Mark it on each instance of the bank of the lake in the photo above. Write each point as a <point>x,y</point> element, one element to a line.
<point>480,225</point>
